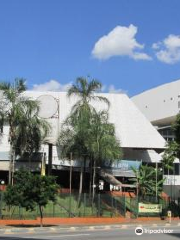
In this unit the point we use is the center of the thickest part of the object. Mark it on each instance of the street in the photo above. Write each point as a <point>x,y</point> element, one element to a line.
<point>94,233</point>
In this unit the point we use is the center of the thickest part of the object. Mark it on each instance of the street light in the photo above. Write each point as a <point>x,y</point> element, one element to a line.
<point>156,180</point>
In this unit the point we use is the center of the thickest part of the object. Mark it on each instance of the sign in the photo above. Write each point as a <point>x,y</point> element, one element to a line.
<point>124,165</point>
<point>169,213</point>
<point>150,208</point>
<point>121,168</point>
<point>68,162</point>
<point>169,216</point>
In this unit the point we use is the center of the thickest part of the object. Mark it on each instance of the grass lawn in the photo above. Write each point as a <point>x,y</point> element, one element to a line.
<point>65,206</point>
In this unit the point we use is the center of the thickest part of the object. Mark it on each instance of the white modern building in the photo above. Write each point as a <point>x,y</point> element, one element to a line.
<point>160,105</point>
<point>138,138</point>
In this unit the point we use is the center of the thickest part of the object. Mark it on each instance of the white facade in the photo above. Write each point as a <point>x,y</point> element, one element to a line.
<point>161,104</point>
<point>133,130</point>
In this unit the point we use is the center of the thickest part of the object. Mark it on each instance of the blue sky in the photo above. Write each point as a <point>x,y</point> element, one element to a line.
<point>129,45</point>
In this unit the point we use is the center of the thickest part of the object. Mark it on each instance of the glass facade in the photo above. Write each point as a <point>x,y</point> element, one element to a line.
<point>167,133</point>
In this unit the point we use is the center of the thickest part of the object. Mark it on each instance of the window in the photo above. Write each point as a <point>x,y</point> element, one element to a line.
<point>176,169</point>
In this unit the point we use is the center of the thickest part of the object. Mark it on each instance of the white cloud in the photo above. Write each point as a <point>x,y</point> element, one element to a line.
<point>52,85</point>
<point>120,42</point>
<point>168,50</point>
<point>156,45</point>
<point>111,89</point>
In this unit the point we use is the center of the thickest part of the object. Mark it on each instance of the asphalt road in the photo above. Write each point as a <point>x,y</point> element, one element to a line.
<point>127,233</point>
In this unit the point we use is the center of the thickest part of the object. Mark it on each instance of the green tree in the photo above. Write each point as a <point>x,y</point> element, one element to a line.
<point>74,135</point>
<point>85,91</point>
<point>101,142</point>
<point>30,191</point>
<point>172,150</point>
<point>169,156</point>
<point>26,130</point>
<point>148,181</point>
<point>176,130</point>
<point>31,132</point>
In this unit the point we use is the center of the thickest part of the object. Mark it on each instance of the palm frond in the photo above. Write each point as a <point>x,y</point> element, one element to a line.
<point>102,99</point>
<point>4,86</point>
<point>93,86</point>
<point>73,90</point>
<point>20,85</point>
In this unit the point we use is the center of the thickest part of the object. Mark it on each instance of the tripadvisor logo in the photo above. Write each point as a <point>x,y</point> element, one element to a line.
<point>138,231</point>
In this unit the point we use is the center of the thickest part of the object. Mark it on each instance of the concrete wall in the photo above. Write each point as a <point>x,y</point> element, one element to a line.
<point>161,104</point>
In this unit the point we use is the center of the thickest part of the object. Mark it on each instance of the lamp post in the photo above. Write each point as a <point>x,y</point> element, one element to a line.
<point>156,180</point>
<point>70,184</point>
<point>70,174</point>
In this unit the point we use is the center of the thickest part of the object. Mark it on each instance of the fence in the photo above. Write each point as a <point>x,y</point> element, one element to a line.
<point>66,205</point>
<point>166,204</point>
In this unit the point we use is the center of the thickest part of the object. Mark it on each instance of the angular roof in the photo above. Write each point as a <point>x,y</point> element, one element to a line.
<point>132,127</point>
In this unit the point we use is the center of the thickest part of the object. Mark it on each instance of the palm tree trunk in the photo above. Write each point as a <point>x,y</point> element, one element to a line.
<point>84,174</point>
<point>11,150</point>
<point>90,177</point>
<point>10,170</point>
<point>11,165</point>
<point>80,186</point>
<point>94,176</point>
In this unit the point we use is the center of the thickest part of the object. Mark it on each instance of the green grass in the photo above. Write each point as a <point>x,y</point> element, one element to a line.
<point>65,206</point>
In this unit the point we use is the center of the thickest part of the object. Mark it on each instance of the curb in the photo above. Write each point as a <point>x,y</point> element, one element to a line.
<point>32,230</point>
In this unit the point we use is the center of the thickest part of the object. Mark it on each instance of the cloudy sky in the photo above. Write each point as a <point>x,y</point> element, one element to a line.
<point>129,45</point>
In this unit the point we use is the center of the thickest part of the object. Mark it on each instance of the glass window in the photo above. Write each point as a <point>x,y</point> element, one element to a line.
<point>176,170</point>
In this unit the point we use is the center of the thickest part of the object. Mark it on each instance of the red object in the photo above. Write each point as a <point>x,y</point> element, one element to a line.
<point>2,187</point>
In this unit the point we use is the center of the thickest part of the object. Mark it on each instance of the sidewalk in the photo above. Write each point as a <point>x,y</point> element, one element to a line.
<point>85,221</point>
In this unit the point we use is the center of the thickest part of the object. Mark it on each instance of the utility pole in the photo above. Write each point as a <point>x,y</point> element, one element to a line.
<point>70,174</point>
<point>70,184</point>
<point>156,180</point>
<point>50,158</point>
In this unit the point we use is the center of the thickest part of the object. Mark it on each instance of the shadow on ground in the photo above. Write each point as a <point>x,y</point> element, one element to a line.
<point>16,238</point>
<point>176,235</point>
<point>29,226</point>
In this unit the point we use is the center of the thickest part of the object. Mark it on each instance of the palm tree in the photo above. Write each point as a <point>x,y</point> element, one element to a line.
<point>84,90</point>
<point>79,119</point>
<point>19,113</point>
<point>102,142</point>
<point>72,140</point>
<point>30,132</point>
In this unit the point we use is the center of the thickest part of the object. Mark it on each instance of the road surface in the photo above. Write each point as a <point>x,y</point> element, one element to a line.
<point>117,232</point>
